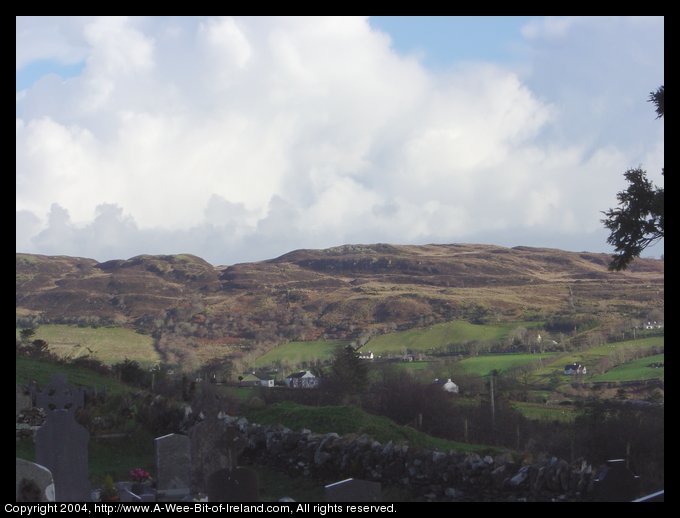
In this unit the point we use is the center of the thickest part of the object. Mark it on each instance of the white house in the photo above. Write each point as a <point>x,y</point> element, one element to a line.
<point>574,368</point>
<point>447,386</point>
<point>302,379</point>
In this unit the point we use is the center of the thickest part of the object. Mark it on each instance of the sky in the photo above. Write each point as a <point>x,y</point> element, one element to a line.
<point>241,139</point>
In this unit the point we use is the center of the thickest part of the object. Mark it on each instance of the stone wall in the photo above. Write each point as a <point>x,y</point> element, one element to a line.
<point>428,475</point>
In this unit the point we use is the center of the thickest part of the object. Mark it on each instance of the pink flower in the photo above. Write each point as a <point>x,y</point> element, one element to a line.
<point>139,475</point>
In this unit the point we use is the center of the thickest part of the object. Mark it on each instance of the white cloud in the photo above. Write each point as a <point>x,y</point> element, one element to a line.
<point>239,139</point>
<point>50,37</point>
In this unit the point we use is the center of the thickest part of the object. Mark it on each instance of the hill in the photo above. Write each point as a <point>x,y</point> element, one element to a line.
<point>196,311</point>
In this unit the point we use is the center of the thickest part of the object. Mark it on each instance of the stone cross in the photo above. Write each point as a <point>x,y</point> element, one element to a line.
<point>61,444</point>
<point>23,400</point>
<point>59,395</point>
<point>234,446</point>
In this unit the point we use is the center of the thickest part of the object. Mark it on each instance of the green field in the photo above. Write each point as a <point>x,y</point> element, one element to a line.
<point>350,419</point>
<point>28,369</point>
<point>590,357</point>
<point>539,412</point>
<point>294,353</point>
<point>415,366</point>
<point>483,365</point>
<point>634,370</point>
<point>441,335</point>
<point>108,344</point>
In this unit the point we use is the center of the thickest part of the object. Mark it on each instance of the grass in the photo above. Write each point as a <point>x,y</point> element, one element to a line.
<point>440,335</point>
<point>108,456</point>
<point>634,370</point>
<point>294,353</point>
<point>415,366</point>
<point>348,419</point>
<point>28,369</point>
<point>275,484</point>
<point>590,357</point>
<point>483,365</point>
<point>109,344</point>
<point>539,412</point>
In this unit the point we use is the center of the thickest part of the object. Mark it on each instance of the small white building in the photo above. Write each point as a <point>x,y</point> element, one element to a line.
<point>302,379</point>
<point>574,369</point>
<point>447,386</point>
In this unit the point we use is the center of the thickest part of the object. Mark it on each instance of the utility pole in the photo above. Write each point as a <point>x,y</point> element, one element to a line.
<point>493,403</point>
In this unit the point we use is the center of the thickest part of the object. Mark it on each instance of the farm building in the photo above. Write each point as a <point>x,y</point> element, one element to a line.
<point>574,368</point>
<point>302,379</point>
<point>252,380</point>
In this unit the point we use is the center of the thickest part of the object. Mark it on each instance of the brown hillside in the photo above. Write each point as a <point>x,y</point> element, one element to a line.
<point>340,292</point>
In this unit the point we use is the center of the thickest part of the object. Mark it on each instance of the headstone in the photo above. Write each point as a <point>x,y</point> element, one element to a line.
<point>23,400</point>
<point>59,395</point>
<point>34,482</point>
<point>235,485</point>
<point>209,452</point>
<point>616,483</point>
<point>61,446</point>
<point>353,490</point>
<point>206,458</point>
<point>234,445</point>
<point>173,462</point>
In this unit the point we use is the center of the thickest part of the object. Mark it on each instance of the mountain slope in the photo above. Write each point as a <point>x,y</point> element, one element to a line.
<point>197,310</point>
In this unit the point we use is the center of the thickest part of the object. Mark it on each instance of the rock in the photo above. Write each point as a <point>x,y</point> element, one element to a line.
<point>540,480</point>
<point>438,456</point>
<point>453,492</point>
<point>321,457</point>
<point>521,477</point>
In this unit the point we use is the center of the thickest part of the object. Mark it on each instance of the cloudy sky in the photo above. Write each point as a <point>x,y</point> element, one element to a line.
<point>240,139</point>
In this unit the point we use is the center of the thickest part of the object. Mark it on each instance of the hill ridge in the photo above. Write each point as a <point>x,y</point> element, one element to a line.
<point>194,308</point>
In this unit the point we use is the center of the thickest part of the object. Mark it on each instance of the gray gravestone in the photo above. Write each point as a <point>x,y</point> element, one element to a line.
<point>209,441</point>
<point>173,462</point>
<point>240,484</point>
<point>34,482</point>
<point>235,485</point>
<point>353,490</point>
<point>616,483</point>
<point>206,456</point>
<point>61,446</point>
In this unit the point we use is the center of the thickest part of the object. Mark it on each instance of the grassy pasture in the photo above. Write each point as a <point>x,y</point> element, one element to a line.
<point>28,369</point>
<point>634,370</point>
<point>108,344</point>
<point>440,335</point>
<point>295,353</point>
<point>483,365</point>
<point>590,357</point>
